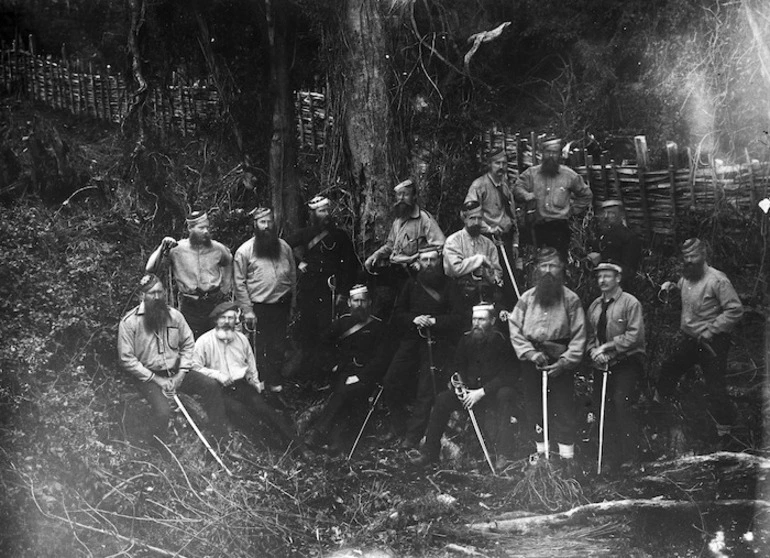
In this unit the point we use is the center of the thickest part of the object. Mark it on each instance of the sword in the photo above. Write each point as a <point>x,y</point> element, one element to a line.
<point>332,284</point>
<point>605,373</point>
<point>429,339</point>
<point>545,412</point>
<point>366,421</point>
<point>460,391</point>
<point>510,271</point>
<point>200,434</point>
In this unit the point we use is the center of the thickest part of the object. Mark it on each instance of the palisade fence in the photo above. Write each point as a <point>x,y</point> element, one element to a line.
<point>655,198</point>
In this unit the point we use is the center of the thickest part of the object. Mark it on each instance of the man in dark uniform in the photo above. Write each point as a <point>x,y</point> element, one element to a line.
<point>362,355</point>
<point>428,316</point>
<point>487,364</point>
<point>618,243</point>
<point>327,267</point>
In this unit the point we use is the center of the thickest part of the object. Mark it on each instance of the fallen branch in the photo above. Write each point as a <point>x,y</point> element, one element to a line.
<point>748,458</point>
<point>523,525</point>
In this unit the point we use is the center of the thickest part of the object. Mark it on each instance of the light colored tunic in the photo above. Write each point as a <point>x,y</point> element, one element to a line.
<point>463,255</point>
<point>403,239</point>
<point>225,361</point>
<point>710,303</point>
<point>557,196</point>
<point>625,325</point>
<point>263,280</point>
<point>204,268</point>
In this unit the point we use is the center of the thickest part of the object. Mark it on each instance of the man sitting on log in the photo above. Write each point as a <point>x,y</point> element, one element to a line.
<point>225,355</point>
<point>486,364</point>
<point>202,269</point>
<point>548,332</point>
<point>616,345</point>
<point>710,310</point>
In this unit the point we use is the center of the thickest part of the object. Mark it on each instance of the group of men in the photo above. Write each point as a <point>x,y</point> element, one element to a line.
<point>444,322</point>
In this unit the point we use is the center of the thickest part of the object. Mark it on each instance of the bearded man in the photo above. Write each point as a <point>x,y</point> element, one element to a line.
<point>556,192</point>
<point>471,259</point>
<point>225,355</point>
<point>155,345</point>
<point>202,269</point>
<point>326,259</point>
<point>428,319</point>
<point>710,311</point>
<point>265,288</point>
<point>548,332</point>
<point>486,363</point>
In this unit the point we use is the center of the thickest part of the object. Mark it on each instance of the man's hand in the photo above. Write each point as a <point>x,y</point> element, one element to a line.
<point>259,386</point>
<point>165,384</point>
<point>250,322</point>
<point>302,267</point>
<point>424,321</point>
<point>472,397</point>
<point>539,359</point>
<point>177,380</point>
<point>168,243</point>
<point>514,252</point>
<point>370,262</point>
<point>706,335</point>
<point>599,357</point>
<point>554,370</point>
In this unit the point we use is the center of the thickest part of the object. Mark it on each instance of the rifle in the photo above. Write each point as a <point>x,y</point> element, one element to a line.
<point>460,390</point>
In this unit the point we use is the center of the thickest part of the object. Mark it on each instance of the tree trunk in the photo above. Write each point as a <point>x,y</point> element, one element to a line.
<point>284,181</point>
<point>136,110</point>
<point>366,116</point>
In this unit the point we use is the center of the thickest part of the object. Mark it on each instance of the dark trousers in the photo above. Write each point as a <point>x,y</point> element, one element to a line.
<point>341,407</point>
<point>246,406</point>
<point>561,405</point>
<point>689,353</point>
<point>493,414</point>
<point>410,363</point>
<point>270,338</point>
<point>196,312</point>
<point>555,234</point>
<point>621,427</point>
<point>194,383</point>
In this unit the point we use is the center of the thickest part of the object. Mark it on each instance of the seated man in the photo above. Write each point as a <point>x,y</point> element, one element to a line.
<point>362,358</point>
<point>225,355</point>
<point>155,345</point>
<point>487,364</point>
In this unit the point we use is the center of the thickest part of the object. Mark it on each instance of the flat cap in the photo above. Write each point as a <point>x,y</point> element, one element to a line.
<point>221,308</point>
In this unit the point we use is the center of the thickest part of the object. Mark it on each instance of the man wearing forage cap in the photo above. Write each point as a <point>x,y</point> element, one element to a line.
<point>617,242</point>
<point>326,259</point>
<point>556,192</point>
<point>412,227</point>
<point>202,269</point>
<point>265,287</point>
<point>498,207</point>
<point>616,343</point>
<point>548,332</point>
<point>710,310</point>
<point>487,365</point>
<point>155,345</point>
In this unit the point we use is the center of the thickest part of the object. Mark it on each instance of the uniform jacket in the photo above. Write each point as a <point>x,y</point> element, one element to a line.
<point>489,365</point>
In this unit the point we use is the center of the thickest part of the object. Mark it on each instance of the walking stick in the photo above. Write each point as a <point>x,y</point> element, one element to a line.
<point>366,421</point>
<point>605,373</point>
<point>545,412</point>
<point>460,391</point>
<point>200,434</point>
<point>332,284</point>
<point>510,271</point>
<point>429,340</point>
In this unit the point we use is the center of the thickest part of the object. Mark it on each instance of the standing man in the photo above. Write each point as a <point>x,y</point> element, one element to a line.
<point>471,259</point>
<point>616,344</point>
<point>202,269</point>
<point>265,288</point>
<point>327,270</point>
<point>412,228</point>
<point>155,346</point>
<point>556,192</point>
<point>498,209</point>
<point>548,333</point>
<point>428,318</point>
<point>710,310</point>
<point>225,355</point>
<point>618,243</point>
<point>486,363</point>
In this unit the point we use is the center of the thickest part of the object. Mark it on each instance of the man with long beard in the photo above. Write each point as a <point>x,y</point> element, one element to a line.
<point>225,355</point>
<point>155,345</point>
<point>556,192</point>
<point>548,332</point>
<point>471,259</point>
<point>202,269</point>
<point>326,259</point>
<point>265,288</point>
<point>710,310</point>
<point>427,311</point>
<point>486,363</point>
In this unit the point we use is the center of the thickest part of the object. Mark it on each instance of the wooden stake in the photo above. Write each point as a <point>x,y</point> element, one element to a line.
<point>641,162</point>
<point>752,183</point>
<point>672,154</point>
<point>605,175</point>
<point>693,169</point>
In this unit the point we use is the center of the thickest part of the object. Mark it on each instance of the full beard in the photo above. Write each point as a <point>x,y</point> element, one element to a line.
<point>320,224</point>
<point>156,315</point>
<point>359,315</point>
<point>474,230</point>
<point>402,210</point>
<point>433,278</point>
<point>693,271</point>
<point>203,241</point>
<point>548,290</point>
<point>550,167</point>
<point>225,333</point>
<point>266,244</point>
<point>480,336</point>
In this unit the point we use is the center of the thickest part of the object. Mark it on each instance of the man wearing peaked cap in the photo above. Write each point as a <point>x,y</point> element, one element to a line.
<point>553,193</point>
<point>616,343</point>
<point>265,278</point>
<point>202,270</point>
<point>327,266</point>
<point>487,365</point>
<point>617,242</point>
<point>710,311</point>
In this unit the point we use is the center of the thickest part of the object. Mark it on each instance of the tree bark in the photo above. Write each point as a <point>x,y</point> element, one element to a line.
<point>283,177</point>
<point>366,116</point>
<point>137,10</point>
